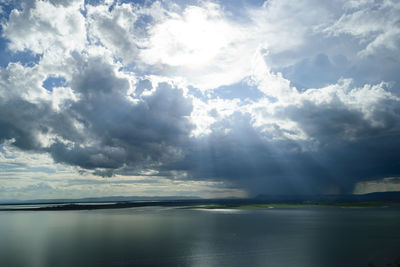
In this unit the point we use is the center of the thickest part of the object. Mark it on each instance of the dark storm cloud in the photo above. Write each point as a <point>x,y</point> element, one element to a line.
<point>352,146</point>
<point>247,158</point>
<point>113,130</point>
<point>343,147</point>
<point>23,121</point>
<point>141,134</point>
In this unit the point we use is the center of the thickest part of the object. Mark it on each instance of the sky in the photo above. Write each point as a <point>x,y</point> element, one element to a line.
<point>198,98</point>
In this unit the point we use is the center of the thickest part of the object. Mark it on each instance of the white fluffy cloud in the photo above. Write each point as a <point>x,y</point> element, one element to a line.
<point>375,24</point>
<point>42,26</point>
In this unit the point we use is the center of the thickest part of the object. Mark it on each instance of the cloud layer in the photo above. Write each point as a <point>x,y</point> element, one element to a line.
<point>276,97</point>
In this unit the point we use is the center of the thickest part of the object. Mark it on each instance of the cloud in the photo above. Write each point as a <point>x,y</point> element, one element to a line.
<point>337,135</point>
<point>144,131</point>
<point>290,98</point>
<point>99,126</point>
<point>202,45</point>
<point>42,25</point>
<point>115,30</point>
<point>375,24</point>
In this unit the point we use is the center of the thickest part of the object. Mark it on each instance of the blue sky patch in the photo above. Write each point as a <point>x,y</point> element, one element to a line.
<point>52,82</point>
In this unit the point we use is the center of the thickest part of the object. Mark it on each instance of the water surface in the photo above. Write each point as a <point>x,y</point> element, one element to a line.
<point>155,236</point>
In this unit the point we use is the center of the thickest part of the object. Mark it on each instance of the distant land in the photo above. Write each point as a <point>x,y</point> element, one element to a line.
<point>371,200</point>
<point>94,200</point>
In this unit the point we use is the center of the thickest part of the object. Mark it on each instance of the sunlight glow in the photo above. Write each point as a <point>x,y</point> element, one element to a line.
<point>192,40</point>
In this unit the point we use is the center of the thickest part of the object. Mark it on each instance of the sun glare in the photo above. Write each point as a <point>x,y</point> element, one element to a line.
<point>190,41</point>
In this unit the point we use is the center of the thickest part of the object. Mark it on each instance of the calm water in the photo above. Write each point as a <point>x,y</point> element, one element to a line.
<point>179,237</point>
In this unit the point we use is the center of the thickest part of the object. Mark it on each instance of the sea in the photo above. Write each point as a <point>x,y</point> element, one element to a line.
<point>174,236</point>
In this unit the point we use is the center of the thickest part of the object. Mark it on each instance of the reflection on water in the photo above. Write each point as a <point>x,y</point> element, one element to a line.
<point>180,237</point>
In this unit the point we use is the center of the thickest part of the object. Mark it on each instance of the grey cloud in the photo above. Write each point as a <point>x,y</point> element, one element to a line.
<point>245,157</point>
<point>359,42</point>
<point>115,132</point>
<point>74,182</point>
<point>105,27</point>
<point>124,133</point>
<point>351,146</point>
<point>23,121</point>
<point>344,147</point>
